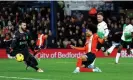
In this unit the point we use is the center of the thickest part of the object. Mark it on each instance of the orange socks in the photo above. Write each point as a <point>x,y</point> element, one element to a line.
<point>79,62</point>
<point>86,70</point>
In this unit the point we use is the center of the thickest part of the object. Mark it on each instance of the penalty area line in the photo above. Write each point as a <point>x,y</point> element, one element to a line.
<point>20,78</point>
<point>98,63</point>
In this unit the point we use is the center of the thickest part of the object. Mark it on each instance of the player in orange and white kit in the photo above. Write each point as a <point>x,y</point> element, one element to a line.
<point>90,48</point>
<point>40,42</point>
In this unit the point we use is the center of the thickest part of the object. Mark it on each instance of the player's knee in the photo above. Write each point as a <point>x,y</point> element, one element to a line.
<point>83,66</point>
<point>106,54</point>
<point>34,61</point>
<point>119,49</point>
<point>103,49</point>
<point>84,58</point>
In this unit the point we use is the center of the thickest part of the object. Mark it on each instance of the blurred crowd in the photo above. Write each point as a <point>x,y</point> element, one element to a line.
<point>36,19</point>
<point>70,30</point>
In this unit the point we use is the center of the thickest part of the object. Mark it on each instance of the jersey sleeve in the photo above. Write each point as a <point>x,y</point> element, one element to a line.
<point>14,40</point>
<point>106,30</point>
<point>105,26</point>
<point>132,29</point>
<point>80,48</point>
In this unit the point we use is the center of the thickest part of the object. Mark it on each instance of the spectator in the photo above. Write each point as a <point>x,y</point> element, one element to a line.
<point>33,32</point>
<point>17,17</point>
<point>80,43</point>
<point>3,24</point>
<point>58,45</point>
<point>27,18</point>
<point>53,44</point>
<point>70,29</point>
<point>50,40</point>
<point>66,43</point>
<point>83,28</point>
<point>33,12</point>
<point>7,42</point>
<point>33,45</point>
<point>73,42</point>
<point>39,16</point>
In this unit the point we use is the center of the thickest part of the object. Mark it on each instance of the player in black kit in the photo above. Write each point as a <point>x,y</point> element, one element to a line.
<point>20,45</point>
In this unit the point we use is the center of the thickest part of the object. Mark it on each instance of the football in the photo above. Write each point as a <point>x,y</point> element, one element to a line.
<point>19,57</point>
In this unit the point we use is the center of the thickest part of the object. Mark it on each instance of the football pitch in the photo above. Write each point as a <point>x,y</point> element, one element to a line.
<point>61,69</point>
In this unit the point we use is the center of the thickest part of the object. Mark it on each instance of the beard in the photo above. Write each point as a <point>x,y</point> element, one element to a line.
<point>23,29</point>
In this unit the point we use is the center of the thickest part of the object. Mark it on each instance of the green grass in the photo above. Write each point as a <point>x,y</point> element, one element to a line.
<point>61,69</point>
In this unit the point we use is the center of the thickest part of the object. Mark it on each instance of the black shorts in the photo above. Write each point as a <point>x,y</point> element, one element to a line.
<point>8,50</point>
<point>105,45</point>
<point>125,44</point>
<point>90,58</point>
<point>37,47</point>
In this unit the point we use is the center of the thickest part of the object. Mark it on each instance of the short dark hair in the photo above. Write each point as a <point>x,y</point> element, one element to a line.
<point>100,13</point>
<point>20,22</point>
<point>92,28</point>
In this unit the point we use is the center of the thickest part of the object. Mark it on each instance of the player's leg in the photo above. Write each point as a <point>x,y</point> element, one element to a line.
<point>84,61</point>
<point>92,65</point>
<point>91,57</point>
<point>8,53</point>
<point>123,44</point>
<point>118,54</point>
<point>99,45</point>
<point>31,61</point>
<point>79,63</point>
<point>128,46</point>
<point>36,50</point>
<point>82,69</point>
<point>86,68</point>
<point>105,47</point>
<point>110,50</point>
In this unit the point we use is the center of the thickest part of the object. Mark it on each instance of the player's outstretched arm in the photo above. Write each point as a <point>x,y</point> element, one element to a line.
<point>101,40</point>
<point>106,32</point>
<point>78,48</point>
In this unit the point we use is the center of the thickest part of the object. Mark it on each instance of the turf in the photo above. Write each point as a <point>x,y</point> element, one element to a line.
<point>61,69</point>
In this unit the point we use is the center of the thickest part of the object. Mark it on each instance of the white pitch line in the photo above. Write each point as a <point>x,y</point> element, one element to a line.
<point>98,63</point>
<point>119,63</point>
<point>19,78</point>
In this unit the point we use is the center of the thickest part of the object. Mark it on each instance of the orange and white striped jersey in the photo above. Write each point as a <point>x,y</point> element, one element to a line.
<point>91,44</point>
<point>41,39</point>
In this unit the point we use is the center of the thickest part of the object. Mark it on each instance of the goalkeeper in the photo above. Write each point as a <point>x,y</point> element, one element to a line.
<point>20,45</point>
